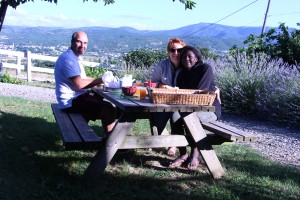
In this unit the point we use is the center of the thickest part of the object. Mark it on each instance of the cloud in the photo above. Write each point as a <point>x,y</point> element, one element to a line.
<point>21,17</point>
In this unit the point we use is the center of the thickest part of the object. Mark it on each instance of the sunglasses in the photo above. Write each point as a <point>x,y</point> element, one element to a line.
<point>173,50</point>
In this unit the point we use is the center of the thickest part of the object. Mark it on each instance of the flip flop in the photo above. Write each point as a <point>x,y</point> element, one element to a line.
<point>193,163</point>
<point>171,151</point>
<point>178,161</point>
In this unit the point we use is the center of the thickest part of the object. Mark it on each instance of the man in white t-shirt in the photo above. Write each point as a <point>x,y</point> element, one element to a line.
<point>72,84</point>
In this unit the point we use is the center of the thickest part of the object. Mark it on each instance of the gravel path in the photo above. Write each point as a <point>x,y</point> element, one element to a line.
<point>279,143</point>
<point>28,92</point>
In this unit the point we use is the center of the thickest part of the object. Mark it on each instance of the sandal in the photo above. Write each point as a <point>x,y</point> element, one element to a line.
<point>193,163</point>
<point>171,151</point>
<point>178,161</point>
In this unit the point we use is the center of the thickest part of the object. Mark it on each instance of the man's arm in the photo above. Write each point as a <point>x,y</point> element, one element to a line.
<point>85,83</point>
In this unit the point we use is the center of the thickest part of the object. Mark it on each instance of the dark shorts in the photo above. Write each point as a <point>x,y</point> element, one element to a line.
<point>92,106</point>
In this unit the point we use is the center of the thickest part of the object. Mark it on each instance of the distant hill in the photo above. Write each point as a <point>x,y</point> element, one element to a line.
<point>123,39</point>
<point>213,31</point>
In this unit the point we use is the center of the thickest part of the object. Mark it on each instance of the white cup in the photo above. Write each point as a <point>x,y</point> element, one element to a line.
<point>126,81</point>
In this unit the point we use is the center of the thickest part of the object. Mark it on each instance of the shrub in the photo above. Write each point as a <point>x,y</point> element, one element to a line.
<point>95,72</point>
<point>261,87</point>
<point>138,74</point>
<point>6,78</point>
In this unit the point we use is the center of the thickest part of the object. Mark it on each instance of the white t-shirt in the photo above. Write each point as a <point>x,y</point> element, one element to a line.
<point>67,65</point>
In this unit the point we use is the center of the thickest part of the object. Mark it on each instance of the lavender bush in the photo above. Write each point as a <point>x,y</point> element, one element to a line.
<point>259,87</point>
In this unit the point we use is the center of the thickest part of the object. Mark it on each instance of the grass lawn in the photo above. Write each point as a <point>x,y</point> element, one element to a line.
<point>34,165</point>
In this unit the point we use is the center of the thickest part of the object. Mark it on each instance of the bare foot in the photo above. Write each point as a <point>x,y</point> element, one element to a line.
<point>178,161</point>
<point>193,163</point>
<point>171,151</point>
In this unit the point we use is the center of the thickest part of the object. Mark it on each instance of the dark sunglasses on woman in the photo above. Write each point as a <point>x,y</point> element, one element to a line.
<point>173,50</point>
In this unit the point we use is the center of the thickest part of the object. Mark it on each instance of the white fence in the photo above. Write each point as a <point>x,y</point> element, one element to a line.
<point>27,58</point>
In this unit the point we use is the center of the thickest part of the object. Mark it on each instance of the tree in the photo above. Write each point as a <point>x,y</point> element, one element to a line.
<point>206,53</point>
<point>189,4</point>
<point>277,43</point>
<point>143,58</point>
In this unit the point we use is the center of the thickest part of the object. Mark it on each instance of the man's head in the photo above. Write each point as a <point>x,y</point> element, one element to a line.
<point>79,43</point>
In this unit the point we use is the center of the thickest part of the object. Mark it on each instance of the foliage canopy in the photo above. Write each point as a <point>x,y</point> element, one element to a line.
<point>277,43</point>
<point>14,3</point>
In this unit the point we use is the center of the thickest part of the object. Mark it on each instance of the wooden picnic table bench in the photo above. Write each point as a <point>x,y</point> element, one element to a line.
<point>75,131</point>
<point>78,135</point>
<point>228,132</point>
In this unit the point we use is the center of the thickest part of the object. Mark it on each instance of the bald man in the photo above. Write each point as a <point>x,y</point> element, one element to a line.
<point>72,86</point>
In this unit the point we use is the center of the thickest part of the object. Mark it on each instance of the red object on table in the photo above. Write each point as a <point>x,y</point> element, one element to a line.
<point>150,84</point>
<point>129,90</point>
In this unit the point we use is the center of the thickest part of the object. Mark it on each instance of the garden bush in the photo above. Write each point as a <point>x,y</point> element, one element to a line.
<point>260,87</point>
<point>138,74</point>
<point>6,78</point>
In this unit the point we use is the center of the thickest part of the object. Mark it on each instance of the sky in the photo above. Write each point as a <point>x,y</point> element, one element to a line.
<point>153,14</point>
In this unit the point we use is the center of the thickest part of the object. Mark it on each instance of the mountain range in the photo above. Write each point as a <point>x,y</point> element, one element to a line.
<point>122,39</point>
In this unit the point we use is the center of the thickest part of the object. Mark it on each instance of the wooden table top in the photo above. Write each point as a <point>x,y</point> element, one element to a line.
<point>132,104</point>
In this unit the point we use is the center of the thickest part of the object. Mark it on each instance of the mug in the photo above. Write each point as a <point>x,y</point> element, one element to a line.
<point>125,82</point>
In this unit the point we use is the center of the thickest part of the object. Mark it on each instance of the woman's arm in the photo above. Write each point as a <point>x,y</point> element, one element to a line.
<point>207,77</point>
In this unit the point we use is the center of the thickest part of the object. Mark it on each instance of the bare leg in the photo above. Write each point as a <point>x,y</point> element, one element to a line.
<point>171,151</point>
<point>108,116</point>
<point>180,159</point>
<point>176,124</point>
<point>194,159</point>
<point>109,128</point>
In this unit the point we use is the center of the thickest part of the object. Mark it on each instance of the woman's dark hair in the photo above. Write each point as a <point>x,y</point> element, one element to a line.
<point>194,50</point>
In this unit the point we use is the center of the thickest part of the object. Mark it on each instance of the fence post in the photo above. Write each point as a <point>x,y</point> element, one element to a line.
<point>28,66</point>
<point>18,70</point>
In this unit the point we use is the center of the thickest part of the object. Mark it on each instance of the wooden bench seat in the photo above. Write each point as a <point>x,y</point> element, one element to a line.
<point>228,132</point>
<point>75,131</point>
<point>78,135</point>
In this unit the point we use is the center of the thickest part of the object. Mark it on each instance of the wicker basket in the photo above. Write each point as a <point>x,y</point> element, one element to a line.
<point>181,96</point>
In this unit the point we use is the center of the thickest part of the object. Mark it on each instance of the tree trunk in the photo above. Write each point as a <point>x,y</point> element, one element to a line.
<point>3,8</point>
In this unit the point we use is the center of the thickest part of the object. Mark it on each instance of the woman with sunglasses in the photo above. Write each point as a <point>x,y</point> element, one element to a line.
<point>165,75</point>
<point>166,71</point>
<point>195,74</point>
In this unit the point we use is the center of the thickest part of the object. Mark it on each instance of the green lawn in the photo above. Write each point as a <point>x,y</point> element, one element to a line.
<point>34,165</point>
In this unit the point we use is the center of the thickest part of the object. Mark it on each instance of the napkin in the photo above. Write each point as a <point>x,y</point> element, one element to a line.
<point>110,80</point>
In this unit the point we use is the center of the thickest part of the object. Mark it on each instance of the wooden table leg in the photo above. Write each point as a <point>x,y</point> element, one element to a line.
<point>106,153</point>
<point>213,164</point>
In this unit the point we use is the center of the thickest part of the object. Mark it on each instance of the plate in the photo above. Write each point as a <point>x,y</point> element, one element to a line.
<point>110,89</point>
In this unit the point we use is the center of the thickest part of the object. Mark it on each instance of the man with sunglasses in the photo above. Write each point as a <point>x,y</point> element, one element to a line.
<point>165,75</point>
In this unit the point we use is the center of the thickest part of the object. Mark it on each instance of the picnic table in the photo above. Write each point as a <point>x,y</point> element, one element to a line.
<point>77,135</point>
<point>132,109</point>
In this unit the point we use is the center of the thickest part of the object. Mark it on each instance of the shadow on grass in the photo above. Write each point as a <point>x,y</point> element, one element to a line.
<point>243,158</point>
<point>34,165</point>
